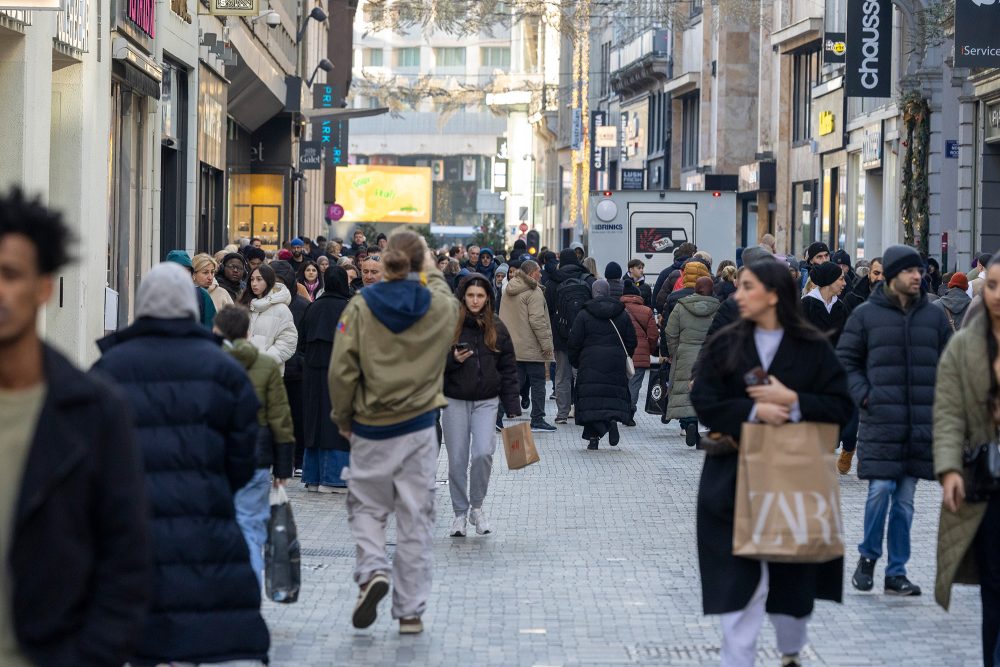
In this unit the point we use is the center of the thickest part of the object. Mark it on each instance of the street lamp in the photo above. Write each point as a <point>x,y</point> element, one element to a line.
<point>317,14</point>
<point>324,65</point>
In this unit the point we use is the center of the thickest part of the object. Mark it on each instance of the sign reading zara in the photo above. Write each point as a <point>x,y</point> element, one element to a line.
<point>977,42</point>
<point>869,48</point>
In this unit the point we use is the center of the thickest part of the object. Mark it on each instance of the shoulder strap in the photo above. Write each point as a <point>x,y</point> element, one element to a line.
<point>951,320</point>
<point>619,336</point>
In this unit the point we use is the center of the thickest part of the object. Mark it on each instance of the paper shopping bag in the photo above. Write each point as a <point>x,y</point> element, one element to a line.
<point>788,494</point>
<point>519,446</point>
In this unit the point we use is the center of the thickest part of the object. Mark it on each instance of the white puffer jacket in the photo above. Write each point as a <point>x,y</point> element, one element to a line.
<point>272,329</point>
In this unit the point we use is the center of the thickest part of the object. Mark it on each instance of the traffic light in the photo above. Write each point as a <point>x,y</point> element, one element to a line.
<point>533,243</point>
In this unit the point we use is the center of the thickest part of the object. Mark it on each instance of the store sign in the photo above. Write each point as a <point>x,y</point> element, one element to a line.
<point>993,122</point>
<point>576,139</point>
<point>233,7</point>
<point>871,147</point>
<point>869,48</point>
<point>607,136</point>
<point>598,155</point>
<point>951,149</point>
<point>977,40</point>
<point>310,155</point>
<point>826,123</point>
<point>143,14</point>
<point>834,48</point>
<point>633,179</point>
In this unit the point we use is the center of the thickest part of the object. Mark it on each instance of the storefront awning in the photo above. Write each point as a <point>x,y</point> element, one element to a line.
<point>343,114</point>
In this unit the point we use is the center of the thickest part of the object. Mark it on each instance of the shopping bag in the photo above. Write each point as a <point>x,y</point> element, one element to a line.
<point>519,446</point>
<point>656,392</point>
<point>788,494</point>
<point>282,558</point>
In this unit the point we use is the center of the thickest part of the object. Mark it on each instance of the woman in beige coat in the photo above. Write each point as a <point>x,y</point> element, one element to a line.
<point>966,411</point>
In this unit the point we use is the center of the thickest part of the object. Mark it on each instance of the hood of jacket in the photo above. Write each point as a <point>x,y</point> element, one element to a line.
<point>147,326</point>
<point>699,305</point>
<point>243,351</point>
<point>520,284</point>
<point>955,300</point>
<point>167,293</point>
<point>604,307</point>
<point>279,294</point>
<point>398,304</point>
<point>629,299</point>
<point>570,271</point>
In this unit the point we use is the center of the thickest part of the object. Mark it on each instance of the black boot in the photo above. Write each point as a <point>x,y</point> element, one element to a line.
<point>593,443</point>
<point>613,436</point>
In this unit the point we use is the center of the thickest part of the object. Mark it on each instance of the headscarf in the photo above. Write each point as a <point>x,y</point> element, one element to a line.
<point>336,283</point>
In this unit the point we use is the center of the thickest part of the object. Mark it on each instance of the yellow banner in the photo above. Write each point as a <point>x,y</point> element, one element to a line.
<point>371,193</point>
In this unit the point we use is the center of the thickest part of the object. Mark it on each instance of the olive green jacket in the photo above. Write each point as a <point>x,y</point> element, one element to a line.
<point>686,330</point>
<point>265,375</point>
<point>961,419</point>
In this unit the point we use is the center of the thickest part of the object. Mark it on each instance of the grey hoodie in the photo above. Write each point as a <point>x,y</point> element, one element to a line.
<point>955,302</point>
<point>166,294</point>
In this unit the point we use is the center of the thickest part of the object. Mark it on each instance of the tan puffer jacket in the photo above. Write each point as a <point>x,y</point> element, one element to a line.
<point>524,312</point>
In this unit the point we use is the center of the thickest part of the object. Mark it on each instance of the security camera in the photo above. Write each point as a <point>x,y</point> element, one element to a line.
<point>272,19</point>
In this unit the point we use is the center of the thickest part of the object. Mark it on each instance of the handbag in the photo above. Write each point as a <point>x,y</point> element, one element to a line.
<point>981,471</point>
<point>629,366</point>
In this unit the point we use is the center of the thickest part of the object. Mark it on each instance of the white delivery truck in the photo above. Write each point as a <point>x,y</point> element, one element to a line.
<point>649,225</point>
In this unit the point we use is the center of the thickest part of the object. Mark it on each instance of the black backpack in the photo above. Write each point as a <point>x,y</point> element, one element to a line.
<point>571,294</point>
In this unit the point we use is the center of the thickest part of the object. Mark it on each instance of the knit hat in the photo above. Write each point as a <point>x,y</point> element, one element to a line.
<point>629,288</point>
<point>232,255</point>
<point>755,253</point>
<point>180,257</point>
<point>486,251</point>
<point>613,271</point>
<point>284,254</point>
<point>297,243</point>
<point>567,257</point>
<point>576,245</point>
<point>815,249</point>
<point>841,257</point>
<point>167,293</point>
<point>825,274</point>
<point>694,270</point>
<point>898,258</point>
<point>960,281</point>
<point>514,264</point>
<point>600,288</point>
<point>503,268</point>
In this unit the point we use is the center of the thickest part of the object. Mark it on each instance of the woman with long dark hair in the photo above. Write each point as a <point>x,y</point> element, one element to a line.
<point>967,415</point>
<point>310,278</point>
<point>480,374</point>
<point>272,327</point>
<point>326,450</point>
<point>805,382</point>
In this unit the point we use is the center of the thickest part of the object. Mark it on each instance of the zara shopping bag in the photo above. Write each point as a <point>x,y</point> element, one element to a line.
<point>519,446</point>
<point>282,559</point>
<point>788,494</point>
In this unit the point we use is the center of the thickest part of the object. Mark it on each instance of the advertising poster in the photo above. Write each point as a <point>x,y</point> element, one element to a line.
<point>385,194</point>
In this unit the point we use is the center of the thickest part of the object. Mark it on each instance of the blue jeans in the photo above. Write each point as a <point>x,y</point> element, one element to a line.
<point>323,466</point>
<point>880,492</point>
<point>253,509</point>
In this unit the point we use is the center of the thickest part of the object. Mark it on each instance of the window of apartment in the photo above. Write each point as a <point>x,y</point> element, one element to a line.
<point>494,56</point>
<point>605,74</point>
<point>657,124</point>
<point>690,112</point>
<point>449,56</point>
<point>371,58</point>
<point>805,75</point>
<point>408,57</point>
<point>696,7</point>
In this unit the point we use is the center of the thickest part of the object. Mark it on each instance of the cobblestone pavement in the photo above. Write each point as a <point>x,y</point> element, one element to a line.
<point>593,561</point>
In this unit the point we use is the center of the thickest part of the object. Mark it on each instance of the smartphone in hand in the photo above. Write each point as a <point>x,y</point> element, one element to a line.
<point>756,377</point>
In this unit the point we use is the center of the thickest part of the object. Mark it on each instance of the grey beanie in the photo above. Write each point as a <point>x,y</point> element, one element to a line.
<point>167,293</point>
<point>600,288</point>
<point>756,253</point>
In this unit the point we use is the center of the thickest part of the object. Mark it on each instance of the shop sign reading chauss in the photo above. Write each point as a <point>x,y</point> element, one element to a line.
<point>869,48</point>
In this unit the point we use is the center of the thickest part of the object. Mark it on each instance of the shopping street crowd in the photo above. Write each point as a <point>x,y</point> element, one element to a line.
<point>137,495</point>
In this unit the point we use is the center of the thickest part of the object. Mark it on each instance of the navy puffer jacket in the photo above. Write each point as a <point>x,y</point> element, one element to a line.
<point>195,415</point>
<point>891,359</point>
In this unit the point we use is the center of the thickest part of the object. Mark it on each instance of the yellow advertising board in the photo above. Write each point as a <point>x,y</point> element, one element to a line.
<point>371,193</point>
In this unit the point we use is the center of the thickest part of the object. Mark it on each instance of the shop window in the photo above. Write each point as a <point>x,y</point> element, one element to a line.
<point>372,58</point>
<point>256,205</point>
<point>452,56</point>
<point>408,57</point>
<point>805,75</point>
<point>690,112</point>
<point>495,56</point>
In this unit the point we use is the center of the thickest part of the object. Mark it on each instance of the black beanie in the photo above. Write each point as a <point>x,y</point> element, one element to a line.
<point>897,258</point>
<point>629,288</point>
<point>613,271</point>
<point>815,249</point>
<point>825,274</point>
<point>567,257</point>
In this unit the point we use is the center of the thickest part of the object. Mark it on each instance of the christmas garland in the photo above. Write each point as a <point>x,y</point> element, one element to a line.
<point>914,207</point>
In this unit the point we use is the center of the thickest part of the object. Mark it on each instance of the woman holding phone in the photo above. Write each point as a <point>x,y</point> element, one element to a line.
<point>770,366</point>
<point>480,373</point>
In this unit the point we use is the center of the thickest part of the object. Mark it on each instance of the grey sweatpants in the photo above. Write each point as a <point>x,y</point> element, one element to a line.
<point>394,475</point>
<point>635,386</point>
<point>565,374</point>
<point>469,433</point>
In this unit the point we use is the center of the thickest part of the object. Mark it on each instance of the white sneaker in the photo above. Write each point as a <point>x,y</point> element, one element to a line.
<point>478,519</point>
<point>323,488</point>
<point>458,526</point>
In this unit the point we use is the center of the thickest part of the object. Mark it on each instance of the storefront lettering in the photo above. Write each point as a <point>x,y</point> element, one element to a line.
<point>143,14</point>
<point>869,46</point>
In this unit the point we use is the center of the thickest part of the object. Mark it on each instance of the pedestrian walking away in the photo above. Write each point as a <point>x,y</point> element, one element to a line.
<point>480,375</point>
<point>568,288</point>
<point>955,302</point>
<point>386,395</point>
<point>73,503</point>
<point>601,341</point>
<point>195,415</point>
<point>647,337</point>
<point>967,416</point>
<point>805,382</point>
<point>890,348</point>
<point>326,451</point>
<point>275,447</point>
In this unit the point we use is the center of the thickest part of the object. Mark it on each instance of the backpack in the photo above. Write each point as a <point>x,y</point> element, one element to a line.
<point>571,294</point>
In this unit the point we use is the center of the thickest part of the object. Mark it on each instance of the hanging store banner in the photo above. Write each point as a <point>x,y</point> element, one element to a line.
<point>332,134</point>
<point>576,139</point>
<point>869,48</point>
<point>598,155</point>
<point>977,41</point>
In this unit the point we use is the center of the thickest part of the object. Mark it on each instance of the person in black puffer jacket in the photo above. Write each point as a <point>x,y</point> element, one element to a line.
<point>478,377</point>
<point>195,415</point>
<point>601,339</point>
<point>569,268</point>
<point>890,348</point>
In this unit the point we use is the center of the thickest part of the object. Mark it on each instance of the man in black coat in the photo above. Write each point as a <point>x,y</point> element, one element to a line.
<point>890,348</point>
<point>863,287</point>
<point>569,267</point>
<point>195,414</point>
<point>684,252</point>
<point>73,505</point>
